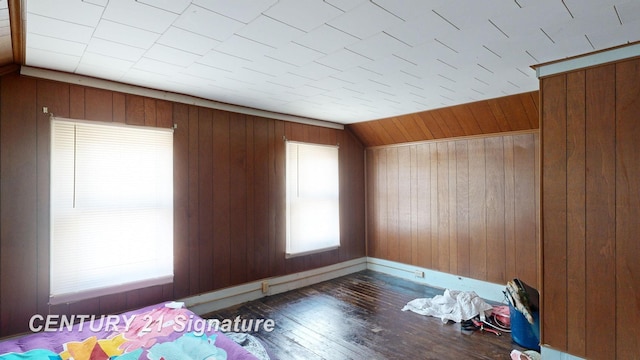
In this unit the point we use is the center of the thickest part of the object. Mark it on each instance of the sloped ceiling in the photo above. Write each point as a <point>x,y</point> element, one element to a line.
<point>338,60</point>
<point>344,61</point>
<point>504,114</point>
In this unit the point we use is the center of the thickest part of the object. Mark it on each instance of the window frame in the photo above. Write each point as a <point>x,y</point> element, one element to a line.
<point>327,244</point>
<point>157,274</point>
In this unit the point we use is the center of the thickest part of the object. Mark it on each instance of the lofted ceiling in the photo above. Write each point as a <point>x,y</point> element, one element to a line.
<point>344,61</point>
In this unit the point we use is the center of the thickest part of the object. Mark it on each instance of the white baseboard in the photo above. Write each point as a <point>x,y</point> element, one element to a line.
<point>548,353</point>
<point>223,298</point>
<point>484,289</point>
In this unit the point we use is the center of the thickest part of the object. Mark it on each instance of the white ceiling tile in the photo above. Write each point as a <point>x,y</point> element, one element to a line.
<point>187,41</point>
<point>171,55</point>
<point>290,80</point>
<point>330,83</point>
<point>514,20</point>
<point>116,50</point>
<point>158,67</point>
<point>365,20</point>
<point>48,26</point>
<point>145,78</point>
<point>388,64</point>
<point>303,14</point>
<point>174,6</point>
<point>106,62</point>
<point>250,76</point>
<point>206,72</point>
<point>124,34</point>
<point>326,39</point>
<point>100,71</point>
<point>343,59</point>
<point>50,60</point>
<point>241,10</point>
<point>73,11</point>
<point>314,71</point>
<point>294,54</point>
<point>243,48</point>
<point>358,60</point>
<point>308,90</point>
<point>102,3</point>
<point>136,14</point>
<point>467,14</point>
<point>346,5</point>
<point>418,31</point>
<point>56,45</point>
<point>355,75</point>
<point>626,33</point>
<point>268,31</point>
<point>410,10</point>
<point>207,23</point>
<point>378,46</point>
<point>270,66</point>
<point>223,61</point>
<point>629,11</point>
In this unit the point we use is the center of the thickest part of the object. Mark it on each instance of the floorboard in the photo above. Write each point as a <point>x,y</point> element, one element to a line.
<point>359,316</point>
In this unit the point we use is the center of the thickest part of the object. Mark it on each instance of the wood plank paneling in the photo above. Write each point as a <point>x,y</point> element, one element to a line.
<point>194,202</point>
<point>98,104</point>
<point>18,203</point>
<point>53,95</point>
<point>221,201</point>
<point>576,217</point>
<point>461,204</point>
<point>527,220</point>
<point>477,209</point>
<point>495,202</point>
<point>180,116</point>
<point>554,208</point>
<point>206,257</point>
<point>590,211</point>
<point>423,191</point>
<point>600,209</point>
<point>228,195</point>
<point>237,192</point>
<point>134,109</point>
<point>627,245</point>
<point>462,208</point>
<point>508,113</point>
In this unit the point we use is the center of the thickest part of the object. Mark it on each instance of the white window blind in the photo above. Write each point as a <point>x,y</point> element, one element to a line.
<point>111,208</point>
<point>313,206</point>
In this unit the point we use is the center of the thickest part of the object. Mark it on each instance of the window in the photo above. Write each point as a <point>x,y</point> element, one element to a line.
<point>313,207</point>
<point>111,208</point>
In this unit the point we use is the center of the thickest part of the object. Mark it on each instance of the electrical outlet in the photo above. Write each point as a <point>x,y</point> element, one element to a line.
<point>265,287</point>
<point>418,273</point>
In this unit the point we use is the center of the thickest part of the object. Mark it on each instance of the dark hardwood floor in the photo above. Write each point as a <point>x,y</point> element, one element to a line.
<point>359,316</point>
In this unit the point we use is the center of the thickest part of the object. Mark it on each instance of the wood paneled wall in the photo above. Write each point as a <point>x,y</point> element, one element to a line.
<point>591,211</point>
<point>467,207</point>
<point>229,195</point>
<point>504,114</point>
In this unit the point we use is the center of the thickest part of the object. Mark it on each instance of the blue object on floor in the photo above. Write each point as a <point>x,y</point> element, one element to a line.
<point>522,332</point>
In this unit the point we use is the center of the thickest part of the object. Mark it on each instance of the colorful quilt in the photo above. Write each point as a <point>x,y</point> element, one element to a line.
<point>153,333</point>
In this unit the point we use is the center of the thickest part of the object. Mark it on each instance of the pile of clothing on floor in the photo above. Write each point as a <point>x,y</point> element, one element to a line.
<point>464,307</point>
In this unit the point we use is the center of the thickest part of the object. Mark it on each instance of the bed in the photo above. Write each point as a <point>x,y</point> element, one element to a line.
<point>162,331</point>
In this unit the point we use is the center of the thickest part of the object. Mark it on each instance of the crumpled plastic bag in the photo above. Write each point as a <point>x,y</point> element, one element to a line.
<point>453,305</point>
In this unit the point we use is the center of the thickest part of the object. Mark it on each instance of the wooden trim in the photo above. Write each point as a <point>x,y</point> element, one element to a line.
<point>8,69</point>
<point>466,137</point>
<point>17,31</point>
<point>589,60</point>
<point>169,96</point>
